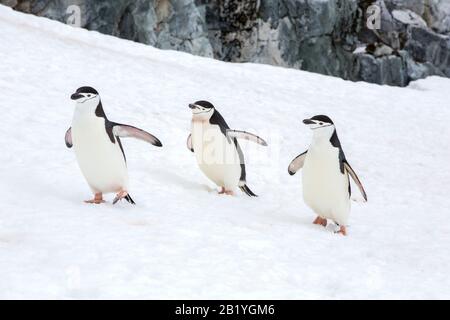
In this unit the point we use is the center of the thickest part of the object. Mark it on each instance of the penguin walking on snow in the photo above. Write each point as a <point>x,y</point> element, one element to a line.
<point>98,148</point>
<point>217,150</point>
<point>326,171</point>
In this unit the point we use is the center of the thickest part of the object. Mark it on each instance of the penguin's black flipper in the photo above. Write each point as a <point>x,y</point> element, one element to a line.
<point>68,138</point>
<point>239,134</point>
<point>125,131</point>
<point>189,143</point>
<point>129,199</point>
<point>355,178</point>
<point>247,191</point>
<point>297,163</point>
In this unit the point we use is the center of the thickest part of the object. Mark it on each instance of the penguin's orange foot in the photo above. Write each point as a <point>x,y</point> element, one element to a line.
<point>342,230</point>
<point>122,194</point>
<point>229,192</point>
<point>320,221</point>
<point>97,199</point>
<point>222,190</point>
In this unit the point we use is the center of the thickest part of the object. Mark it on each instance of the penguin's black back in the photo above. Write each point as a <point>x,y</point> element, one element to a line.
<point>217,119</point>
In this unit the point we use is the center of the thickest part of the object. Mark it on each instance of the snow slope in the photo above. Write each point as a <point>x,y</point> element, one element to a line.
<point>183,240</point>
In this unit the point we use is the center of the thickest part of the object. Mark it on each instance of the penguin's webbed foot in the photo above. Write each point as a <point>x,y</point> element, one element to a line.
<point>320,221</point>
<point>225,191</point>
<point>342,230</point>
<point>121,195</point>
<point>98,199</point>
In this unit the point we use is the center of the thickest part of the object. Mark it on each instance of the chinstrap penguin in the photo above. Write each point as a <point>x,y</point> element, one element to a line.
<point>325,175</point>
<point>217,150</point>
<point>97,146</point>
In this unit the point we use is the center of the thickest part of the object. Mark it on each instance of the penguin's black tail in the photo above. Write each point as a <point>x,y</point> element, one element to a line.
<point>129,199</point>
<point>247,190</point>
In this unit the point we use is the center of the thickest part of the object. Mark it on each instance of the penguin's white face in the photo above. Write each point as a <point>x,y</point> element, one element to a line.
<point>86,98</point>
<point>321,125</point>
<point>82,98</point>
<point>201,110</point>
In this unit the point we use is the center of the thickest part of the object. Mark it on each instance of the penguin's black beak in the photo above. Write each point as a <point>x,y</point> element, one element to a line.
<point>308,121</point>
<point>192,106</point>
<point>76,96</point>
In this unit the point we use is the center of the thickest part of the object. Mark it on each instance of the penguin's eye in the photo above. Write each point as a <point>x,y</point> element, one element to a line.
<point>321,123</point>
<point>89,95</point>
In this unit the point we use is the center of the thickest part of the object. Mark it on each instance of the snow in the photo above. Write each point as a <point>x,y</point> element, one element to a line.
<point>183,240</point>
<point>360,49</point>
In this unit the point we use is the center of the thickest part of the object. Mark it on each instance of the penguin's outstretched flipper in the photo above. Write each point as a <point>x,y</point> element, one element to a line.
<point>247,191</point>
<point>355,178</point>
<point>126,131</point>
<point>68,138</point>
<point>189,143</point>
<point>238,134</point>
<point>297,163</point>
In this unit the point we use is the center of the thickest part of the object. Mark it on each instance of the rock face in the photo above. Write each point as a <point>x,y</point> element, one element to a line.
<point>410,28</point>
<point>165,24</point>
<point>325,36</point>
<point>318,36</point>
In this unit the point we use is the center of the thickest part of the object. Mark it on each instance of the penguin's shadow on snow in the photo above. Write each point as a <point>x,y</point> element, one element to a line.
<point>174,179</point>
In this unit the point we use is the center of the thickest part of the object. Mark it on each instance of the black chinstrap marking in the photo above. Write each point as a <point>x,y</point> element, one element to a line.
<point>329,125</point>
<point>202,112</point>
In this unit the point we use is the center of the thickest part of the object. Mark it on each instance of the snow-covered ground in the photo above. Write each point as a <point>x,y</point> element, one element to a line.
<point>183,240</point>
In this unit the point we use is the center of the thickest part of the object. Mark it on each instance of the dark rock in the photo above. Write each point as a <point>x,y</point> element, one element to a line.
<point>418,70</point>
<point>389,70</point>
<point>425,46</point>
<point>437,15</point>
<point>315,35</point>
<point>166,24</point>
<point>417,6</point>
<point>311,35</point>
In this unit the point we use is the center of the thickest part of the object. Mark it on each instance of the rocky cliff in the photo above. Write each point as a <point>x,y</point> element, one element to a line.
<point>410,41</point>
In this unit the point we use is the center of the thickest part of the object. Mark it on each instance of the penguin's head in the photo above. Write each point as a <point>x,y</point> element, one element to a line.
<point>202,110</point>
<point>320,124</point>
<point>86,96</point>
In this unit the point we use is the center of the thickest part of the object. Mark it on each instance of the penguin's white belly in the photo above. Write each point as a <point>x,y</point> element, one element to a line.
<point>101,161</point>
<point>216,156</point>
<point>325,188</point>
